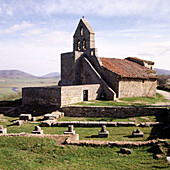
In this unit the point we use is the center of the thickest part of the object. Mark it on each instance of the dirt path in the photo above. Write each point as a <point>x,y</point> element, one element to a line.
<point>166,96</point>
<point>164,93</point>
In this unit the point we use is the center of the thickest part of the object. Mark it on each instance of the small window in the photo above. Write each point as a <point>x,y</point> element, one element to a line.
<point>78,45</point>
<point>81,31</point>
<point>84,44</point>
<point>85,95</point>
<point>92,53</point>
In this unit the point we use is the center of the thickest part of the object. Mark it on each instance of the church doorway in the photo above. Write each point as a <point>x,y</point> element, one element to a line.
<point>85,95</point>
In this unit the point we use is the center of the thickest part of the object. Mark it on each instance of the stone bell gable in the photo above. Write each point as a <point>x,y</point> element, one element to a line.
<point>83,37</point>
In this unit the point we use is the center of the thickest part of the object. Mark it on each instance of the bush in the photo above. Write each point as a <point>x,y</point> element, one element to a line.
<point>162,79</point>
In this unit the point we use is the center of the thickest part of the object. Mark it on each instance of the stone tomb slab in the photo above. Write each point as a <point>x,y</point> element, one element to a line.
<point>70,130</point>
<point>103,133</point>
<point>37,130</point>
<point>137,133</point>
<point>25,117</point>
<point>3,130</point>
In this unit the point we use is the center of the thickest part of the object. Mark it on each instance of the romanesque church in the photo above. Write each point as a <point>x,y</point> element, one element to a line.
<point>129,77</point>
<point>86,76</point>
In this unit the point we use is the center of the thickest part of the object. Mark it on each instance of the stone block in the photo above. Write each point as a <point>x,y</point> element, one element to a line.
<point>111,124</point>
<point>47,123</point>
<point>18,122</point>
<point>70,130</point>
<point>3,130</point>
<point>137,133</point>
<point>126,151</point>
<point>102,122</point>
<point>37,130</point>
<point>126,123</point>
<point>168,159</point>
<point>33,119</point>
<point>103,133</point>
<point>25,117</point>
<point>158,156</point>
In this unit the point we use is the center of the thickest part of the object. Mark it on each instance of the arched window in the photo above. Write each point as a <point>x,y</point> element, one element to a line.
<point>78,45</point>
<point>84,44</point>
<point>81,31</point>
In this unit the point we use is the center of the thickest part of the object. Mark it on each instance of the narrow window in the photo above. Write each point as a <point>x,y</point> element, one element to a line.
<point>84,44</point>
<point>81,31</point>
<point>92,53</point>
<point>85,95</point>
<point>78,45</point>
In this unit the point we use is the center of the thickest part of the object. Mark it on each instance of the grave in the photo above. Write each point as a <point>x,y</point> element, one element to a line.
<point>18,122</point>
<point>137,133</point>
<point>70,131</point>
<point>125,151</point>
<point>26,117</point>
<point>103,133</point>
<point>37,130</point>
<point>3,130</point>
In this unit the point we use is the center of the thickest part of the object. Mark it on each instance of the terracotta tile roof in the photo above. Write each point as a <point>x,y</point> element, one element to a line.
<point>126,68</point>
<point>140,60</point>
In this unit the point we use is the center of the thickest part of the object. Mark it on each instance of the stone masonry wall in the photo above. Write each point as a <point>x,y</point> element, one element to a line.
<point>90,76</point>
<point>115,112</point>
<point>74,94</point>
<point>137,87</point>
<point>58,96</point>
<point>41,96</point>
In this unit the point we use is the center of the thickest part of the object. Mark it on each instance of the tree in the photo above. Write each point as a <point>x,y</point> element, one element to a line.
<point>162,79</point>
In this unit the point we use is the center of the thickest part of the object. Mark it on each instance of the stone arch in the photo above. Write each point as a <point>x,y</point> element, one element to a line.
<point>78,45</point>
<point>84,44</point>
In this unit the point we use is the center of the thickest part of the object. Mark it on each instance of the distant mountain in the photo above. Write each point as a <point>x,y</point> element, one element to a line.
<point>52,75</point>
<point>162,71</point>
<point>12,74</point>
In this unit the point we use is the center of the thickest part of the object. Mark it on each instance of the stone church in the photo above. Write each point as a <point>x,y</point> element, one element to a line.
<point>86,76</point>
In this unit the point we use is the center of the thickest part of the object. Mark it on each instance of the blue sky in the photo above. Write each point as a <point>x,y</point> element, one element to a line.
<point>33,33</point>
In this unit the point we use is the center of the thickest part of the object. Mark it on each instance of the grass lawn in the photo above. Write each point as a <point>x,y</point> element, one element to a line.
<point>132,101</point>
<point>43,153</point>
<point>39,153</point>
<point>89,133</point>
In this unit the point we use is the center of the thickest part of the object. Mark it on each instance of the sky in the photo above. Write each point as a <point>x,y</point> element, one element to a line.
<point>33,33</point>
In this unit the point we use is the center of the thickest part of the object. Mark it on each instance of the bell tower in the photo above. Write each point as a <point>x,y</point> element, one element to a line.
<point>83,38</point>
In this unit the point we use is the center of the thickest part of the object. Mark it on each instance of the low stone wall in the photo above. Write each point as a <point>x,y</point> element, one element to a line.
<point>58,95</point>
<point>41,96</point>
<point>115,112</point>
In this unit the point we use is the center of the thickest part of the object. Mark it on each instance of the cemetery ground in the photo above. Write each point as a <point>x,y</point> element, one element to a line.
<point>38,153</point>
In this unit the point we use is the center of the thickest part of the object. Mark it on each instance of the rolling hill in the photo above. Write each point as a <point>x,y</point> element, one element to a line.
<point>15,74</point>
<point>162,71</point>
<point>52,75</point>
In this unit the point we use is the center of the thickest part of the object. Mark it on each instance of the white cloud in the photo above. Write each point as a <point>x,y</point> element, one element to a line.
<point>147,8</point>
<point>19,27</point>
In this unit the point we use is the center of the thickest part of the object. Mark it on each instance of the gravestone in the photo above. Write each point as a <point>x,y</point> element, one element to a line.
<point>18,122</point>
<point>3,130</point>
<point>103,133</point>
<point>37,130</point>
<point>70,131</point>
<point>137,133</point>
<point>126,151</point>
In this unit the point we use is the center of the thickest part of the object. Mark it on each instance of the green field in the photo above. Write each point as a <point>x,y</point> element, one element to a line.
<point>131,101</point>
<point>44,153</point>
<point>89,133</point>
<point>7,85</point>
